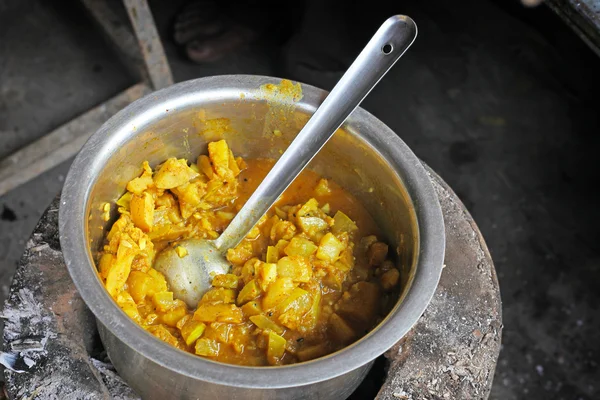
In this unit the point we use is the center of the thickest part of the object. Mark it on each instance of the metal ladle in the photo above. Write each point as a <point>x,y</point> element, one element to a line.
<point>191,276</point>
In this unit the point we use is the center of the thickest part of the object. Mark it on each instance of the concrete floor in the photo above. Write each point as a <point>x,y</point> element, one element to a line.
<point>501,102</point>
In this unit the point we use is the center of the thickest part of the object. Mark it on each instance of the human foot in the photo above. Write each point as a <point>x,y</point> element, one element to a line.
<point>208,31</point>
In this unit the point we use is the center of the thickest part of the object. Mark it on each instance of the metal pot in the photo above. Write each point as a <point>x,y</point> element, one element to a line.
<point>364,156</point>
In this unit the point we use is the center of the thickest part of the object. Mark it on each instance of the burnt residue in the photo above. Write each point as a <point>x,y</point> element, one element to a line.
<point>8,214</point>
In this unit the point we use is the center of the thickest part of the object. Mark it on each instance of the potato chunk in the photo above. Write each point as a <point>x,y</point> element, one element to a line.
<point>218,312</point>
<point>219,156</point>
<point>219,295</point>
<point>249,292</point>
<point>343,223</point>
<point>229,281</point>
<point>330,248</point>
<point>276,348</point>
<point>296,268</point>
<point>141,183</point>
<point>207,347</point>
<point>173,173</point>
<point>265,323</point>
<point>267,273</point>
<point>277,292</point>
<point>142,211</point>
<point>191,331</point>
<point>300,247</point>
<point>139,284</point>
<point>119,271</point>
<point>161,332</point>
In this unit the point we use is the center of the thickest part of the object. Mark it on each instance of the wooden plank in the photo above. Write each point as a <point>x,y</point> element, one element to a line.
<point>583,16</point>
<point>62,143</point>
<point>150,45</point>
<point>119,35</point>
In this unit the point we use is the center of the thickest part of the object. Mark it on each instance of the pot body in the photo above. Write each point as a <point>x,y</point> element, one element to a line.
<point>258,118</point>
<point>153,381</point>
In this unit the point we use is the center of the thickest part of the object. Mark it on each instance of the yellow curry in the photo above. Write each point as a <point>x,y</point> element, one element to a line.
<point>309,279</point>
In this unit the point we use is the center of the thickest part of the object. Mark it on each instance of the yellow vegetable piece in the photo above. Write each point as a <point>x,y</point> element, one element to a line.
<point>173,173</point>
<point>219,295</point>
<point>227,216</point>
<point>343,223</point>
<point>181,251</point>
<point>159,283</point>
<point>141,183</point>
<point>191,331</point>
<point>207,347</point>
<point>293,309</point>
<point>296,268</point>
<point>139,284</point>
<point>105,263</point>
<point>119,271</point>
<point>229,281</point>
<point>125,200</point>
<point>249,292</point>
<point>272,254</point>
<point>280,213</point>
<point>265,323</point>
<point>190,197</point>
<point>233,166</point>
<point>163,301</point>
<point>173,316</point>
<point>314,313</point>
<point>142,211</point>
<point>277,292</point>
<point>298,299</point>
<point>300,247</point>
<point>322,188</point>
<point>312,225</point>
<point>267,273</point>
<point>218,312</point>
<point>161,332</point>
<point>282,230</point>
<point>183,321</point>
<point>309,209</point>
<point>346,261</point>
<point>281,244</point>
<point>219,155</point>
<point>276,348</point>
<point>218,331</point>
<point>251,308</point>
<point>329,248</point>
<point>204,166</point>
<point>167,232</point>
<point>125,301</point>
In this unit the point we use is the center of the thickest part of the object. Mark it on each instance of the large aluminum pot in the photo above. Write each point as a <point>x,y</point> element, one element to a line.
<point>365,157</point>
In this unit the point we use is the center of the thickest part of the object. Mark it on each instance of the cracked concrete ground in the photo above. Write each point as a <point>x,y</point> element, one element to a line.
<point>501,102</point>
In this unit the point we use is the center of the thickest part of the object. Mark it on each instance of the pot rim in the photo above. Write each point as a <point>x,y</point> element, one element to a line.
<point>78,258</point>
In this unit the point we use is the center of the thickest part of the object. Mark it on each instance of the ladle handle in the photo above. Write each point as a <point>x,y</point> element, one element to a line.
<point>388,44</point>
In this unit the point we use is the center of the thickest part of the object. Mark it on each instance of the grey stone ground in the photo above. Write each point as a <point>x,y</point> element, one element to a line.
<point>503,106</point>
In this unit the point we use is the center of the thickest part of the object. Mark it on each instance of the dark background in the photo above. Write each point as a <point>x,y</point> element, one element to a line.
<point>500,100</point>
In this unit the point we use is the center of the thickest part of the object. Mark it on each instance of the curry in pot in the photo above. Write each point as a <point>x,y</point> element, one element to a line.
<point>309,279</point>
